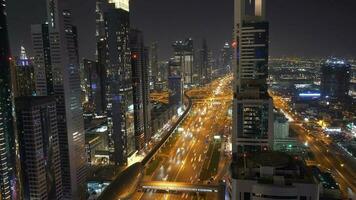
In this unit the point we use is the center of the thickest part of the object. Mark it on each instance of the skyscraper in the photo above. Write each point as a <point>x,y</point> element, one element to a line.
<point>252,107</point>
<point>226,55</point>
<point>39,147</point>
<point>24,76</point>
<point>66,84</point>
<point>101,48</point>
<point>253,124</point>
<point>203,64</point>
<point>42,60</point>
<point>7,140</point>
<point>93,85</point>
<point>155,74</point>
<point>119,90</point>
<point>184,54</point>
<point>335,79</point>
<point>140,79</point>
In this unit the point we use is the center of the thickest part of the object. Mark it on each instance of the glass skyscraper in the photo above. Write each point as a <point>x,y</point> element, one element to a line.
<point>66,87</point>
<point>253,116</point>
<point>114,17</point>
<point>7,138</point>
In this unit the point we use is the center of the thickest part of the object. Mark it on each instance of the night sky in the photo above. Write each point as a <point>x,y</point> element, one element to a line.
<point>311,28</point>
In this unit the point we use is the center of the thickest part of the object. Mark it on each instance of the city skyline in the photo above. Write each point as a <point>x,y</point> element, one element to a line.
<point>177,100</point>
<point>309,27</point>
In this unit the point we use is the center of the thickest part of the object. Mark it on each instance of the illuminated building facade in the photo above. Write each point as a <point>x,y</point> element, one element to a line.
<point>253,106</point>
<point>226,55</point>
<point>24,78</point>
<point>184,54</point>
<point>7,140</point>
<point>154,72</point>
<point>93,85</point>
<point>140,80</point>
<point>39,147</point>
<point>42,59</point>
<point>66,87</point>
<point>118,82</point>
<point>203,68</point>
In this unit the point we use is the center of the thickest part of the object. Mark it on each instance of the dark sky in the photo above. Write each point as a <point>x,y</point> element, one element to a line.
<point>312,28</point>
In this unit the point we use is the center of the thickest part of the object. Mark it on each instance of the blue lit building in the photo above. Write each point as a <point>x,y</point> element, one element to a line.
<point>335,79</point>
<point>306,92</point>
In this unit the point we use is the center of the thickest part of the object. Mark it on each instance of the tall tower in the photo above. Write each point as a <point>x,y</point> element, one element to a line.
<point>155,74</point>
<point>39,147</point>
<point>24,78</point>
<point>203,64</point>
<point>184,54</point>
<point>118,80</point>
<point>335,79</point>
<point>253,109</point>
<point>140,78</point>
<point>66,84</point>
<point>42,61</point>
<point>252,106</point>
<point>7,148</point>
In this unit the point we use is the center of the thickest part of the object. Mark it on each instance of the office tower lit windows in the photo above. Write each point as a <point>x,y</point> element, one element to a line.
<point>203,68</point>
<point>140,80</point>
<point>39,147</point>
<point>92,85</point>
<point>42,59</point>
<point>118,80</point>
<point>184,54</point>
<point>252,105</point>
<point>7,150</point>
<point>66,84</point>
<point>155,73</point>
<point>226,55</point>
<point>24,76</point>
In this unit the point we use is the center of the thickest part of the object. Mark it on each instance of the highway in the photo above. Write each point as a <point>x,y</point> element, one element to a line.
<point>327,156</point>
<point>188,155</point>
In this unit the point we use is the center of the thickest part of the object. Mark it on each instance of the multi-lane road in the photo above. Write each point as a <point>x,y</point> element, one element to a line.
<point>327,155</point>
<point>186,156</point>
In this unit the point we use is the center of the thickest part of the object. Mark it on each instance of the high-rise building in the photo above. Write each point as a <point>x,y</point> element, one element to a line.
<point>274,175</point>
<point>184,54</point>
<point>24,76</point>
<point>252,106</point>
<point>154,74</point>
<point>175,87</point>
<point>66,84</point>
<point>253,110</point>
<point>118,80</point>
<point>39,148</point>
<point>335,79</point>
<point>101,48</point>
<point>42,60</point>
<point>92,85</point>
<point>226,57</point>
<point>7,140</point>
<point>203,64</point>
<point>140,79</point>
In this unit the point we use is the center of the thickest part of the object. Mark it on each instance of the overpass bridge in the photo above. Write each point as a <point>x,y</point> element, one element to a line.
<point>182,187</point>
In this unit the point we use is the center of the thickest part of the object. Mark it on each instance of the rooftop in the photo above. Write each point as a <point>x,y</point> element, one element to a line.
<point>268,165</point>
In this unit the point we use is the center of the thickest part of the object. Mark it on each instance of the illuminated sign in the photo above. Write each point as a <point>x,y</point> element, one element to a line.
<point>338,130</point>
<point>123,4</point>
<point>309,94</point>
